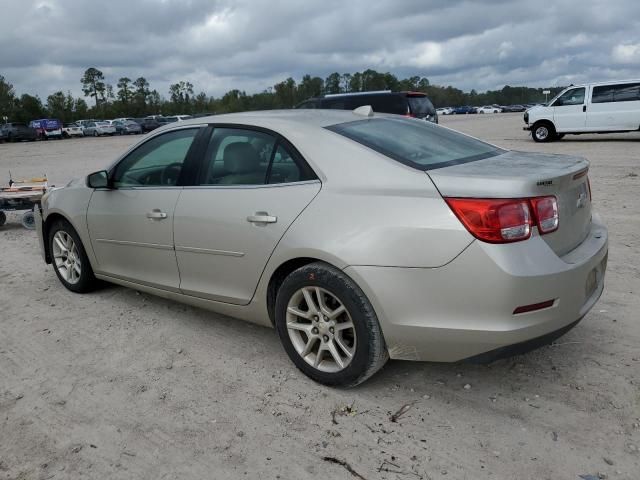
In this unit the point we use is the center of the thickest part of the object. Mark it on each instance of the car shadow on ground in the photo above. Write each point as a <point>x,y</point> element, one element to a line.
<point>543,364</point>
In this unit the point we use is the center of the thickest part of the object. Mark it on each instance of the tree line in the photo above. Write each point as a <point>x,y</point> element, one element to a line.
<point>135,98</point>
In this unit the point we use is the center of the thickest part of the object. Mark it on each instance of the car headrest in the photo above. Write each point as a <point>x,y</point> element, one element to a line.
<point>240,157</point>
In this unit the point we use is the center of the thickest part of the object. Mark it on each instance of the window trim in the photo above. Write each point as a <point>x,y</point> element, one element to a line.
<point>297,157</point>
<point>186,166</point>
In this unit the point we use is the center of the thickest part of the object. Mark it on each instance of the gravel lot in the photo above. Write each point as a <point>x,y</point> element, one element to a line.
<point>122,385</point>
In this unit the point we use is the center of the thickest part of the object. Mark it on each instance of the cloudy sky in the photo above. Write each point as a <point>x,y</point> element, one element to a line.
<point>45,45</point>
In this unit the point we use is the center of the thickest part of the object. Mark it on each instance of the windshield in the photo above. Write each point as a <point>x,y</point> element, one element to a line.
<point>416,143</point>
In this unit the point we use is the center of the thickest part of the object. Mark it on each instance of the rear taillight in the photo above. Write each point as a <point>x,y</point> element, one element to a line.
<point>494,220</point>
<point>498,220</point>
<point>545,210</point>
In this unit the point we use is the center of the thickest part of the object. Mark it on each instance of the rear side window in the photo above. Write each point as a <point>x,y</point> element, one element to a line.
<point>237,156</point>
<point>628,92</point>
<point>419,144</point>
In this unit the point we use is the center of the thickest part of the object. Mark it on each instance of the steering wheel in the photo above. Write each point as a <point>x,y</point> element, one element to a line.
<point>170,174</point>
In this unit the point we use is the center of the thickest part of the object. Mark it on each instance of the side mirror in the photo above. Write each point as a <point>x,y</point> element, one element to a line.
<point>98,179</point>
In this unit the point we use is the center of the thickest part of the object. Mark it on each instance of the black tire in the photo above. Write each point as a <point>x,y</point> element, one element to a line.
<point>543,132</point>
<point>95,133</point>
<point>29,221</point>
<point>87,281</point>
<point>370,350</point>
<point>3,218</point>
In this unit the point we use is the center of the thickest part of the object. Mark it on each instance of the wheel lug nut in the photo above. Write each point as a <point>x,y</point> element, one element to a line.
<point>331,329</point>
<point>314,330</point>
<point>325,338</point>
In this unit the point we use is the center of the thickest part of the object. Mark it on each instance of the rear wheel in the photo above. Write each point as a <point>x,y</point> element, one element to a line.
<point>69,258</point>
<point>328,326</point>
<point>95,133</point>
<point>543,132</point>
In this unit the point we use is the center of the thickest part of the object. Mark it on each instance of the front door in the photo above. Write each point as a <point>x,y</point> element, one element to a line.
<point>131,223</point>
<point>569,111</point>
<point>252,186</point>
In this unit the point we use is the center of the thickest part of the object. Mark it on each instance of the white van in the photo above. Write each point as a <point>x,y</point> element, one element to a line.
<point>607,107</point>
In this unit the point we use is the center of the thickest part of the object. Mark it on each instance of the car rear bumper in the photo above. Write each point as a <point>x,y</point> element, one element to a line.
<point>466,308</point>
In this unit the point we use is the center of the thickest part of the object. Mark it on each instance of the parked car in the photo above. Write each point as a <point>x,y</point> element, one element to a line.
<point>97,129</point>
<point>607,107</point>
<point>3,135</point>
<point>444,111</point>
<point>148,124</point>
<point>123,119</point>
<point>488,109</point>
<point>47,128</point>
<point>17,131</point>
<point>127,127</point>
<point>516,256</point>
<point>178,118</point>
<point>464,110</point>
<point>513,108</point>
<point>70,130</point>
<point>410,104</point>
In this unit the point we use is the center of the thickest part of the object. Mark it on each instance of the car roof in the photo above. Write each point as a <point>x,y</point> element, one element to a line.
<point>281,118</point>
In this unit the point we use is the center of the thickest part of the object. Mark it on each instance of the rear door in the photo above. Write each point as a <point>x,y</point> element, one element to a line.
<point>252,185</point>
<point>131,224</point>
<point>569,111</point>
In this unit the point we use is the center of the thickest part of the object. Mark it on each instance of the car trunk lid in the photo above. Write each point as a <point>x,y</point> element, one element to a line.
<point>523,174</point>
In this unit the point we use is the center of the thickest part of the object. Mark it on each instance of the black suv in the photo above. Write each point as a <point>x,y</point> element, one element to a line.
<point>410,104</point>
<point>14,132</point>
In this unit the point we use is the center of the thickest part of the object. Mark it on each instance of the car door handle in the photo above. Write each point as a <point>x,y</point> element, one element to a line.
<point>262,217</point>
<point>584,108</point>
<point>156,215</point>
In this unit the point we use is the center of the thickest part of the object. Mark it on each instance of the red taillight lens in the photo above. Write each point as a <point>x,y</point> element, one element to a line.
<point>546,211</point>
<point>494,220</point>
<point>506,220</point>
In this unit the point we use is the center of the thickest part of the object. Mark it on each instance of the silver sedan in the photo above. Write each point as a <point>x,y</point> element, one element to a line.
<point>358,236</point>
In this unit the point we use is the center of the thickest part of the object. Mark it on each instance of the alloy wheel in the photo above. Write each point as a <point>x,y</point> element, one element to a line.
<point>67,257</point>
<point>321,329</point>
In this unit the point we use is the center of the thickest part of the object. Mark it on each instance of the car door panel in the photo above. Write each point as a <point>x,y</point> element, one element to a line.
<point>131,223</point>
<point>570,116</point>
<point>130,245</point>
<point>221,253</point>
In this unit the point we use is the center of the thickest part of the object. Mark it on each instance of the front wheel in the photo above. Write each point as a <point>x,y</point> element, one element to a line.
<point>95,133</point>
<point>69,258</point>
<point>328,326</point>
<point>543,132</point>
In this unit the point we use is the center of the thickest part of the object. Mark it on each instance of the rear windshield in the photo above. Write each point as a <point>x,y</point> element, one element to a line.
<point>416,143</point>
<point>420,105</point>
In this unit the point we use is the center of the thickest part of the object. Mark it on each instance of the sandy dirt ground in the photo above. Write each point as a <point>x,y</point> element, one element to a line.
<point>122,385</point>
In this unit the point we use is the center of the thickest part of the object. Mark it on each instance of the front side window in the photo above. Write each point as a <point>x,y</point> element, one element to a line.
<point>157,162</point>
<point>575,96</point>
<point>419,144</point>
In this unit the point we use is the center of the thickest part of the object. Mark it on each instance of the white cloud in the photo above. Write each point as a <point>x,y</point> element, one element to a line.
<point>629,53</point>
